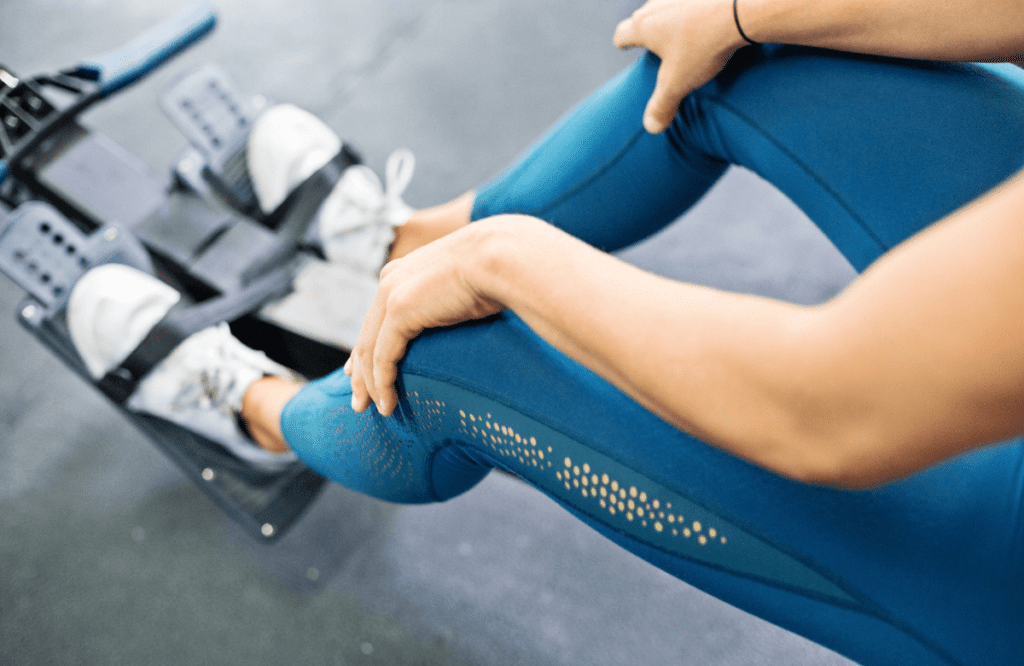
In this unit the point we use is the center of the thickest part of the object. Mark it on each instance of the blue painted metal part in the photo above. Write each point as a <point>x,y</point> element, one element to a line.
<point>128,64</point>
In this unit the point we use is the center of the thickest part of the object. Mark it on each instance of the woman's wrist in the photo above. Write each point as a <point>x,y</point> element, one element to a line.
<point>499,248</point>
<point>739,26</point>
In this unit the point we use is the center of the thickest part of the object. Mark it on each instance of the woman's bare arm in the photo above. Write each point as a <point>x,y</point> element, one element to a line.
<point>695,38</point>
<point>967,30</point>
<point>920,358</point>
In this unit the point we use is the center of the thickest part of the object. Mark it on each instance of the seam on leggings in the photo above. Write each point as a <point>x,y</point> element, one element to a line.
<point>429,468</point>
<point>613,161</point>
<point>571,192</point>
<point>803,166</point>
<point>866,606</point>
<point>1017,543</point>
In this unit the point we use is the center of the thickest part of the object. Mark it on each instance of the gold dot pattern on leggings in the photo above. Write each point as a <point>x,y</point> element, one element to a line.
<point>517,450</point>
<point>627,504</point>
<point>429,414</point>
<point>381,450</point>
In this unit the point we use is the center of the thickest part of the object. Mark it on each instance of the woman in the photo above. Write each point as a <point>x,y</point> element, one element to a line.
<point>604,386</point>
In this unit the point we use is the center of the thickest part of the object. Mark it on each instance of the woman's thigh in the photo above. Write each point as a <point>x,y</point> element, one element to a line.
<point>872,149</point>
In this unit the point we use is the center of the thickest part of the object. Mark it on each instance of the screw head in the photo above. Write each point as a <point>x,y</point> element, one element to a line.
<point>28,311</point>
<point>267,530</point>
<point>208,474</point>
<point>110,234</point>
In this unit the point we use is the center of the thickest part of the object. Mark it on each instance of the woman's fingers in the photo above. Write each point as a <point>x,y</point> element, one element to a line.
<point>429,287</point>
<point>625,34</point>
<point>360,398</point>
<point>387,329</point>
<point>693,38</point>
<point>390,348</point>
<point>669,90</point>
<point>361,359</point>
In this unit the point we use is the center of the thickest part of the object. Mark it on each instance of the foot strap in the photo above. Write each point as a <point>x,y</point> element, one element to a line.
<point>181,322</point>
<point>292,218</point>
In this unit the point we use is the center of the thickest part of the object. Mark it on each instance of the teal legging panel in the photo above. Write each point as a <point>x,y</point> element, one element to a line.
<point>926,570</point>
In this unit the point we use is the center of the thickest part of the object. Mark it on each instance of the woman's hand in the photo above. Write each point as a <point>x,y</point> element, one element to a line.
<point>436,285</point>
<point>693,38</point>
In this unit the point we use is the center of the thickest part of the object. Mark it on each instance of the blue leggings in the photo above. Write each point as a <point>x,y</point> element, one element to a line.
<point>925,570</point>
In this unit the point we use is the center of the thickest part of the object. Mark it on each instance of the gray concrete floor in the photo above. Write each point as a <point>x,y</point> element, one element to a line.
<point>107,556</point>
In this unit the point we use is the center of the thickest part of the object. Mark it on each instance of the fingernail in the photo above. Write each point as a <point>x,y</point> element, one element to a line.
<point>652,125</point>
<point>355,403</point>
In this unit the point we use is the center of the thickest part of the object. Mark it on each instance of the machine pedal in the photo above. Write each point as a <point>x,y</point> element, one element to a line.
<point>217,121</point>
<point>45,254</point>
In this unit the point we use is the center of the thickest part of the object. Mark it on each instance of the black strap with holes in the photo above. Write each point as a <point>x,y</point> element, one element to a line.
<point>183,321</point>
<point>297,211</point>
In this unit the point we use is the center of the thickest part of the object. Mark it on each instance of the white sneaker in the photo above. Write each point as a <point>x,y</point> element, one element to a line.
<point>199,386</point>
<point>287,145</point>
<point>111,309</point>
<point>355,224</point>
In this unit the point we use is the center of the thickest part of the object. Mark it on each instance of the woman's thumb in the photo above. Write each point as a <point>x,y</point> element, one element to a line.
<point>664,102</point>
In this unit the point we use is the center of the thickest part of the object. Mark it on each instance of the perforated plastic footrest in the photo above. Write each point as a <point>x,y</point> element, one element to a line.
<point>217,121</point>
<point>45,254</point>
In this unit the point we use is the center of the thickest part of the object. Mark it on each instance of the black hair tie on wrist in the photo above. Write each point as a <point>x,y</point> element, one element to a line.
<point>736,15</point>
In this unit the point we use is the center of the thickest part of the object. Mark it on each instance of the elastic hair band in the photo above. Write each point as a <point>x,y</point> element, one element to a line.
<point>736,15</point>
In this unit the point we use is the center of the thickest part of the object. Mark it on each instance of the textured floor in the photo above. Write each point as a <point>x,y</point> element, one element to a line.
<point>107,556</point>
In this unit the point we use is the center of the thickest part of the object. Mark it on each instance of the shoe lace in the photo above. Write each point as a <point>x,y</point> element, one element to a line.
<point>362,200</point>
<point>210,383</point>
<point>206,389</point>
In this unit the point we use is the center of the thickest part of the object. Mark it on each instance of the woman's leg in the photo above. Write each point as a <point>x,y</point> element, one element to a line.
<point>925,570</point>
<point>428,224</point>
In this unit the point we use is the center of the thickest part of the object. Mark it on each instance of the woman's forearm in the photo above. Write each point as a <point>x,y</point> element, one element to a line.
<point>921,358</point>
<point>721,366</point>
<point>976,30</point>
